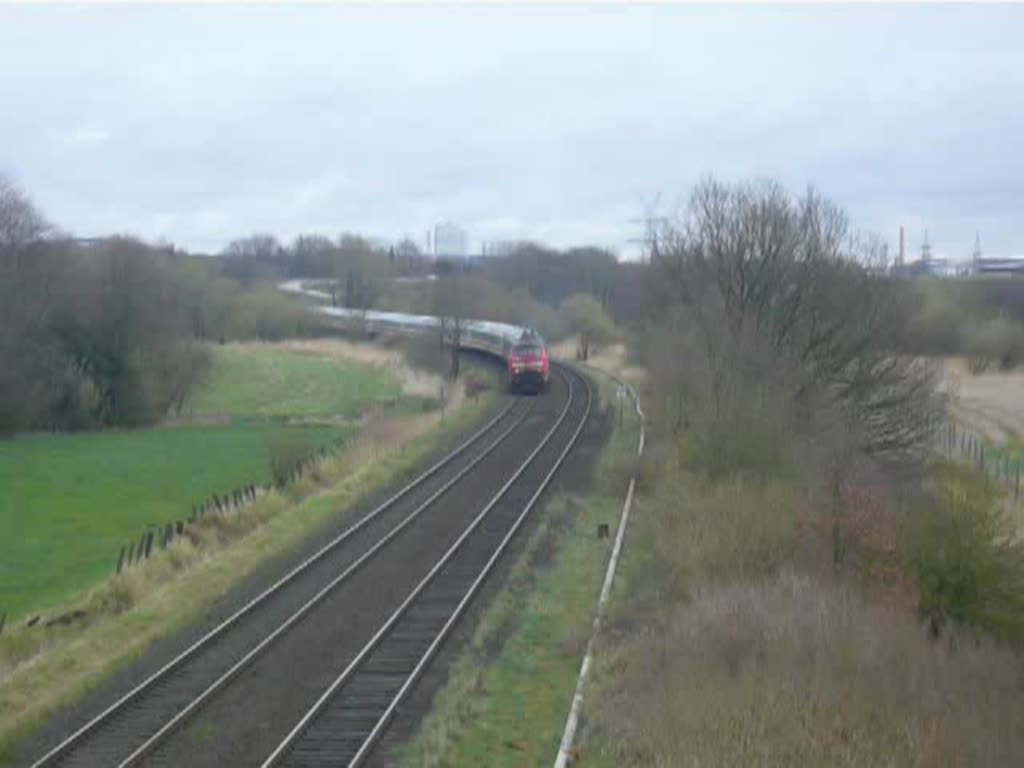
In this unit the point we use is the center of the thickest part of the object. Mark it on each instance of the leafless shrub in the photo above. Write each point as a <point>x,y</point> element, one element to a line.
<point>997,340</point>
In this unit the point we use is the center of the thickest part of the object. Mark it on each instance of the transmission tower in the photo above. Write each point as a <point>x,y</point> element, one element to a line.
<point>926,249</point>
<point>654,226</point>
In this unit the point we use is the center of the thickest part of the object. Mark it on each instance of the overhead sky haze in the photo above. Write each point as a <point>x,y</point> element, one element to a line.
<point>201,124</point>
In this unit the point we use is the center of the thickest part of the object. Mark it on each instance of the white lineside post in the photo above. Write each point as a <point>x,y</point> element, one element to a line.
<point>564,757</point>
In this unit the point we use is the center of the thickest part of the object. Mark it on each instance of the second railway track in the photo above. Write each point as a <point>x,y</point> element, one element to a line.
<point>145,725</point>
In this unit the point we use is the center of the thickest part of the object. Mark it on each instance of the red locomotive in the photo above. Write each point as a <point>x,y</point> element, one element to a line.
<point>528,363</point>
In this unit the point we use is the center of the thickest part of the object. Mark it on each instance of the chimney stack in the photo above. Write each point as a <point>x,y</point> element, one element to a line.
<point>902,253</point>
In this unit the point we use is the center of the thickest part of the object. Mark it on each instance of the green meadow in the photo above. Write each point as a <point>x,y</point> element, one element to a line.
<point>68,502</point>
<point>266,381</point>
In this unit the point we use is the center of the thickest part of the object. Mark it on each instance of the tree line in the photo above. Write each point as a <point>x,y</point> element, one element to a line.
<point>112,332</point>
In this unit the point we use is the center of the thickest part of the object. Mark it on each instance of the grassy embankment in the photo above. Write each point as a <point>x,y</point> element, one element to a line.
<point>507,697</point>
<point>44,668</point>
<point>734,640</point>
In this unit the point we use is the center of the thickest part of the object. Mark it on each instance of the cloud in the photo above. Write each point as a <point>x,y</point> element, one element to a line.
<point>528,121</point>
<point>83,136</point>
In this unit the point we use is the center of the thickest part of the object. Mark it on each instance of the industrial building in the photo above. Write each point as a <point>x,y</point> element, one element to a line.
<point>450,240</point>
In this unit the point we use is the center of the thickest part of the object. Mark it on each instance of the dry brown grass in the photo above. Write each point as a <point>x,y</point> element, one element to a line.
<point>610,358</point>
<point>731,532</point>
<point>798,672</point>
<point>992,402</point>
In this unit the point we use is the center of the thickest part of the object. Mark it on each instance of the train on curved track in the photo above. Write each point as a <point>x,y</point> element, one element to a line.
<point>522,349</point>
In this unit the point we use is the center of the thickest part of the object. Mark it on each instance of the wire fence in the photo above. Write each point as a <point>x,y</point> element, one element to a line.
<point>159,537</point>
<point>961,443</point>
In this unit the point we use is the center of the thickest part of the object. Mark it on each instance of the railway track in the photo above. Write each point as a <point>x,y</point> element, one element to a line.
<point>141,727</point>
<point>345,723</point>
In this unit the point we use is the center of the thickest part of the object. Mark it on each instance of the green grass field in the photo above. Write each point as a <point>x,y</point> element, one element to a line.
<point>258,380</point>
<point>70,501</point>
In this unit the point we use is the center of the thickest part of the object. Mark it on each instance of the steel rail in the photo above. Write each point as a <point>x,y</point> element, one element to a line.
<point>192,650</point>
<point>321,704</point>
<point>154,740</point>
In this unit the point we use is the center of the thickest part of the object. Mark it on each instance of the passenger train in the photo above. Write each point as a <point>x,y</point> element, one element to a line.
<point>522,349</point>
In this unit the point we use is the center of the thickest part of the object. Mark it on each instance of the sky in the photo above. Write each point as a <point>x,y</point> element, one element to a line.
<point>565,124</point>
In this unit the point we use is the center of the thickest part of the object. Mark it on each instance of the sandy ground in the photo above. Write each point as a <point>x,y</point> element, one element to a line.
<point>991,402</point>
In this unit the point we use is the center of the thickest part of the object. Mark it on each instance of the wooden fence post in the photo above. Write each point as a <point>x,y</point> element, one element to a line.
<point>149,544</point>
<point>141,548</point>
<point>120,561</point>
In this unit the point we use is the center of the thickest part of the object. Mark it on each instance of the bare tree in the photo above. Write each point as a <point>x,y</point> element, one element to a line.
<point>257,257</point>
<point>359,272</point>
<point>312,256</point>
<point>588,321</point>
<point>452,307</point>
<point>789,267</point>
<point>20,221</point>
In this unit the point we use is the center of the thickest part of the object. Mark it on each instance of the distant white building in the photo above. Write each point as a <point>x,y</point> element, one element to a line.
<point>450,240</point>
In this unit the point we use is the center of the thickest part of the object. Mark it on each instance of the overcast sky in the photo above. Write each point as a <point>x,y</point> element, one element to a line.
<point>201,124</point>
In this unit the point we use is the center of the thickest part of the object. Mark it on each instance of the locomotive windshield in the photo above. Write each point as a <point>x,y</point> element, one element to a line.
<point>527,350</point>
